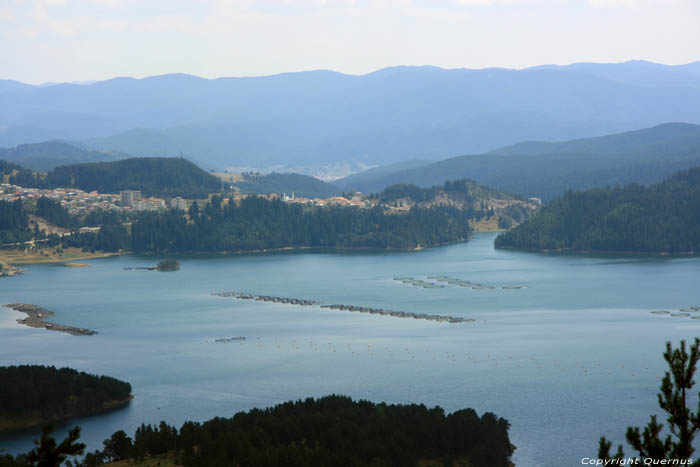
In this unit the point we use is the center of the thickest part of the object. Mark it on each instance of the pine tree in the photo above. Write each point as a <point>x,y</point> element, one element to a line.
<point>47,454</point>
<point>683,424</point>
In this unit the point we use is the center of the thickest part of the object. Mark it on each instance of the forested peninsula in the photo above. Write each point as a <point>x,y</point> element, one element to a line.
<point>33,395</point>
<point>662,218</point>
<point>330,431</point>
<point>258,224</point>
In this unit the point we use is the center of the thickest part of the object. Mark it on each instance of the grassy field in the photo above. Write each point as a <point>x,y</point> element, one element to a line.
<point>48,255</point>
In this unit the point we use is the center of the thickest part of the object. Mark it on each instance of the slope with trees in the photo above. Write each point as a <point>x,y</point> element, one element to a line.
<point>280,183</point>
<point>45,156</point>
<point>332,430</point>
<point>153,176</point>
<point>260,224</point>
<point>32,395</point>
<point>662,218</point>
<point>547,170</point>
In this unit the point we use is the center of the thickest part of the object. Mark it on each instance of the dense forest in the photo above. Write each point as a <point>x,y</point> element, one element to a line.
<point>330,431</point>
<point>300,185</point>
<point>255,224</point>
<point>468,191</point>
<point>153,176</point>
<point>42,157</point>
<point>32,395</point>
<point>260,224</point>
<point>14,224</point>
<point>662,218</point>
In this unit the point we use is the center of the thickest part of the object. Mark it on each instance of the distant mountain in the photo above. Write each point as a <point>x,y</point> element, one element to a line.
<point>11,85</point>
<point>289,183</point>
<point>322,117</point>
<point>378,173</point>
<point>42,157</point>
<point>638,73</point>
<point>547,170</point>
<point>153,176</point>
<point>662,218</point>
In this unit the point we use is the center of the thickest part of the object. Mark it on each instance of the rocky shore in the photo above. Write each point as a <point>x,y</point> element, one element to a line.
<point>341,307</point>
<point>36,318</point>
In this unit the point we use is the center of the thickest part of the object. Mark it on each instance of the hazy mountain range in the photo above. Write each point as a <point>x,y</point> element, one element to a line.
<point>322,117</point>
<point>546,170</point>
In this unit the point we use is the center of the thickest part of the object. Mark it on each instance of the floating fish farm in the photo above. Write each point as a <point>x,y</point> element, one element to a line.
<point>440,282</point>
<point>341,307</point>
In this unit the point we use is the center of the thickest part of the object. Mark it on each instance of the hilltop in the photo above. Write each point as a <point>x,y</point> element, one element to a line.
<point>492,209</point>
<point>153,176</point>
<point>289,183</point>
<point>547,170</point>
<point>662,218</point>
<point>45,156</point>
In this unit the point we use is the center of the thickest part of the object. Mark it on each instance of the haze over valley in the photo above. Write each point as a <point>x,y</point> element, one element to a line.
<point>458,233</point>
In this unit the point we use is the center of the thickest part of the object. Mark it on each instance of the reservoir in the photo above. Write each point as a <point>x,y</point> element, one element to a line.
<point>566,348</point>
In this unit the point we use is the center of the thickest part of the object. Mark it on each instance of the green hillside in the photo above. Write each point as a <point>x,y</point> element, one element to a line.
<point>662,218</point>
<point>280,183</point>
<point>547,170</point>
<point>42,157</point>
<point>154,176</point>
<point>32,395</point>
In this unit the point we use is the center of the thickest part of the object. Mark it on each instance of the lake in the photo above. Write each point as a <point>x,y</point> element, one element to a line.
<point>574,355</point>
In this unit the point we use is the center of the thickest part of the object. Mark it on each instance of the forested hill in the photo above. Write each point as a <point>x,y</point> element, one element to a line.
<point>42,157</point>
<point>662,218</point>
<point>289,183</point>
<point>547,170</point>
<point>32,395</point>
<point>497,209</point>
<point>9,169</point>
<point>154,176</point>
<point>330,431</point>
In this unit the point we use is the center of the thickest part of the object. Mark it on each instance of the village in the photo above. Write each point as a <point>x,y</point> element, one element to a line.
<point>79,202</point>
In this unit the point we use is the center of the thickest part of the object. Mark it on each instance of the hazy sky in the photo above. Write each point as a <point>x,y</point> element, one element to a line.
<point>71,40</point>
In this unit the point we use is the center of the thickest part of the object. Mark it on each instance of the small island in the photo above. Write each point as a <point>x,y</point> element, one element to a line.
<point>167,264</point>
<point>33,395</point>
<point>36,318</point>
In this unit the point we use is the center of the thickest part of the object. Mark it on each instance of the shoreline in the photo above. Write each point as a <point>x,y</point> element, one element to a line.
<point>28,259</point>
<point>8,426</point>
<point>564,251</point>
<point>36,258</point>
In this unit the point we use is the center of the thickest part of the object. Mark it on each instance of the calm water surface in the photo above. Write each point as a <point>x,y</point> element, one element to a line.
<point>575,355</point>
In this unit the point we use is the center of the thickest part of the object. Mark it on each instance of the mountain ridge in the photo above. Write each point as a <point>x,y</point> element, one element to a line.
<point>320,117</point>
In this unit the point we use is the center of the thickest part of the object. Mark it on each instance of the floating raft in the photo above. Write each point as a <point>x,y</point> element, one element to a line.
<point>682,313</point>
<point>452,281</point>
<point>341,307</point>
<point>226,340</point>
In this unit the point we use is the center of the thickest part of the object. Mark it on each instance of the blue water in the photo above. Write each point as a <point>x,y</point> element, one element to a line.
<point>573,356</point>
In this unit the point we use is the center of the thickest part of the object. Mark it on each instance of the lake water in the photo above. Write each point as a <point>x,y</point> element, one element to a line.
<point>575,355</point>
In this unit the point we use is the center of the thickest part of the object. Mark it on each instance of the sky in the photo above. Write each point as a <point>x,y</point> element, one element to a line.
<point>82,40</point>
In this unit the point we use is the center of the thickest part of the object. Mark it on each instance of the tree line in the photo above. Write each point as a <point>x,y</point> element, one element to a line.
<point>153,176</point>
<point>660,218</point>
<point>46,393</point>
<point>332,430</point>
